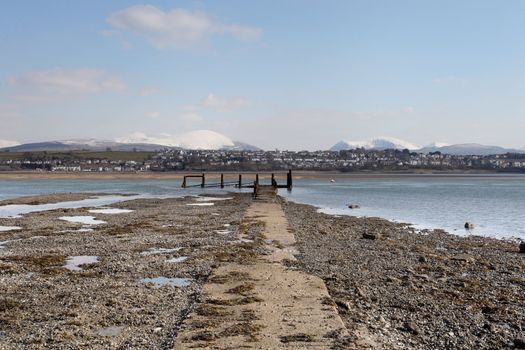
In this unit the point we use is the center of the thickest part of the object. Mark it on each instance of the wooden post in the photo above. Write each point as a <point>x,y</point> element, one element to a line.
<point>184,182</point>
<point>289,183</point>
<point>257,179</point>
<point>222,180</point>
<point>240,180</point>
<point>203,183</point>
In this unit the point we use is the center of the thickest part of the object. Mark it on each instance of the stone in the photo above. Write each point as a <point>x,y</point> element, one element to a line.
<point>522,247</point>
<point>353,206</point>
<point>469,225</point>
<point>411,327</point>
<point>367,235</point>
<point>422,259</point>
<point>519,343</point>
<point>343,305</point>
<point>463,258</point>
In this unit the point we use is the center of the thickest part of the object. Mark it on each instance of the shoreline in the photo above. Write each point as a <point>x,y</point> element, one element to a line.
<point>396,288</point>
<point>280,174</point>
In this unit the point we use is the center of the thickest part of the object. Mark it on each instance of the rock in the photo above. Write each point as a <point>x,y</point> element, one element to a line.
<point>519,343</point>
<point>367,235</point>
<point>463,258</point>
<point>522,247</point>
<point>353,206</point>
<point>411,327</point>
<point>343,305</point>
<point>422,259</point>
<point>469,225</point>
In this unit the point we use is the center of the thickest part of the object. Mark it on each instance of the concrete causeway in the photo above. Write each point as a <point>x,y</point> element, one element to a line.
<point>263,304</point>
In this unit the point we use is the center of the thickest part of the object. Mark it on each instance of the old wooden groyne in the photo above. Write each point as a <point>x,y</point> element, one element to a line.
<point>240,182</point>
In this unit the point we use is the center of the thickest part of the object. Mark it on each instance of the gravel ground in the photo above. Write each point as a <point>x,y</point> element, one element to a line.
<point>105,304</point>
<point>396,288</point>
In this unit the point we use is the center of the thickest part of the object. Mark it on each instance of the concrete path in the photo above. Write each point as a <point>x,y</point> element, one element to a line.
<point>262,304</point>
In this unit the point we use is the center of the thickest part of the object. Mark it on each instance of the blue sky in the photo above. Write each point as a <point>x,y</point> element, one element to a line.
<point>278,74</point>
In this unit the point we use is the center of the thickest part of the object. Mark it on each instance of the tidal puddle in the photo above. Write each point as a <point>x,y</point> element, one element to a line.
<point>211,199</point>
<point>204,204</point>
<point>9,228</point>
<point>110,211</point>
<point>86,220</point>
<point>73,262</point>
<point>16,210</point>
<point>164,281</point>
<point>154,251</point>
<point>177,260</point>
<point>112,331</point>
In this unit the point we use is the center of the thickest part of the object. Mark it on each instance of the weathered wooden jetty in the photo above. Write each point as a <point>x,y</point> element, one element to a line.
<point>237,183</point>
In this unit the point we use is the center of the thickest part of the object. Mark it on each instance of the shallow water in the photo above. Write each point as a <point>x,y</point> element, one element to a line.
<point>164,281</point>
<point>9,228</point>
<point>211,199</point>
<point>112,331</point>
<point>177,260</point>
<point>154,251</point>
<point>86,220</point>
<point>16,210</point>
<point>204,204</point>
<point>110,211</point>
<point>494,203</point>
<point>73,262</point>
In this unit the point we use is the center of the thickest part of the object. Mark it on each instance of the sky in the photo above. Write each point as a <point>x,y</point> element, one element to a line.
<point>287,74</point>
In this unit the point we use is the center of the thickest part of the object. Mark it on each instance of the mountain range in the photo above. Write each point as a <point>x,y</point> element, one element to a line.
<point>196,140</point>
<point>393,143</point>
<point>211,140</point>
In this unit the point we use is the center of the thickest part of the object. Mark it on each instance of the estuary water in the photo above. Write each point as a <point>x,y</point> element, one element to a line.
<point>495,204</point>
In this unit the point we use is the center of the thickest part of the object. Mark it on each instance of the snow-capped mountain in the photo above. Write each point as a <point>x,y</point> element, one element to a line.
<point>7,143</point>
<point>393,143</point>
<point>199,139</point>
<point>380,143</point>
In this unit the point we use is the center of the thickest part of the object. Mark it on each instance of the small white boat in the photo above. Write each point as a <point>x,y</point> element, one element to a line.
<point>332,180</point>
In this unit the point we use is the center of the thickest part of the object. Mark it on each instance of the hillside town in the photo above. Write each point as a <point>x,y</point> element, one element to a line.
<point>219,160</point>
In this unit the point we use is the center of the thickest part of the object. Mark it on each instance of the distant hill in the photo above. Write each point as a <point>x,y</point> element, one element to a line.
<point>201,139</point>
<point>377,144</point>
<point>469,149</point>
<point>393,143</point>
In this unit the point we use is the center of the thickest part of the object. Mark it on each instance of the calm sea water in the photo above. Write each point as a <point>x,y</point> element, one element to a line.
<point>495,204</point>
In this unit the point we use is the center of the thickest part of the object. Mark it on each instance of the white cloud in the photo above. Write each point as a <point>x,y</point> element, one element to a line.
<point>191,117</point>
<point>70,81</point>
<point>222,104</point>
<point>8,143</point>
<point>177,27</point>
